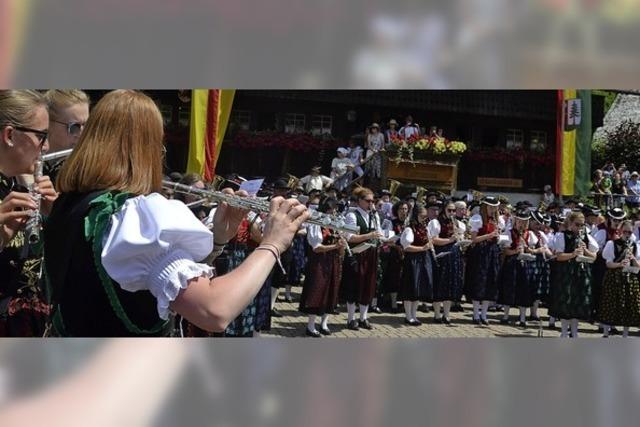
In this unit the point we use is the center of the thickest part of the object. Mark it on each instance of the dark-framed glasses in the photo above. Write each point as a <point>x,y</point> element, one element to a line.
<point>73,128</point>
<point>42,135</point>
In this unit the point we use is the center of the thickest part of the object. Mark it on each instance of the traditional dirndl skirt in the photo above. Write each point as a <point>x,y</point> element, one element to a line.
<point>571,290</point>
<point>320,289</point>
<point>417,277</point>
<point>360,286</point>
<point>298,261</point>
<point>516,288</point>
<point>620,299</point>
<point>449,282</point>
<point>482,272</point>
<point>393,272</point>
<point>540,274</point>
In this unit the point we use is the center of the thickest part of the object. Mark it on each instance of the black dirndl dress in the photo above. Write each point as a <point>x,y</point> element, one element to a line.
<point>620,298</point>
<point>540,274</point>
<point>417,271</point>
<point>516,288</point>
<point>482,271</point>
<point>449,284</point>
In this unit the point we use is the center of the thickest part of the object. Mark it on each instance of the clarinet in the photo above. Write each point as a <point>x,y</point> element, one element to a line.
<point>580,242</point>
<point>34,223</point>
<point>628,254</point>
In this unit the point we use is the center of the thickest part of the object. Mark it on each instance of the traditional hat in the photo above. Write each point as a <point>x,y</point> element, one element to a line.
<point>538,217</point>
<point>591,211</point>
<point>490,200</point>
<point>616,213</point>
<point>522,215</point>
<point>281,183</point>
<point>374,125</point>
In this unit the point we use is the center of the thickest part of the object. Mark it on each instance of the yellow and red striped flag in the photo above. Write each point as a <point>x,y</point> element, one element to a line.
<point>210,111</point>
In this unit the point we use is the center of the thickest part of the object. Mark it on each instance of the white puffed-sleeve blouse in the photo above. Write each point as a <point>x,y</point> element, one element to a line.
<point>155,244</point>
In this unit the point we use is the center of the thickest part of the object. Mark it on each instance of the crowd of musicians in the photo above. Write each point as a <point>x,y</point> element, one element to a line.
<point>118,258</point>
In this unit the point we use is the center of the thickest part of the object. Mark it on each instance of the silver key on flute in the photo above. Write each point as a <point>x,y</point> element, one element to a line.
<point>260,206</point>
<point>57,155</point>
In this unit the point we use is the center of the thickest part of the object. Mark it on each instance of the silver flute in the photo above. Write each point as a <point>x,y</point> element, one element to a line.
<point>57,155</point>
<point>261,206</point>
<point>34,223</point>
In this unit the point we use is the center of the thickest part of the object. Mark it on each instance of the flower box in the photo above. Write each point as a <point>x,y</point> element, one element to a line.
<point>435,173</point>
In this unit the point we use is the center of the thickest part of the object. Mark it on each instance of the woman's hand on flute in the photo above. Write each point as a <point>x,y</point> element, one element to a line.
<point>15,210</point>
<point>227,219</point>
<point>44,186</point>
<point>284,220</point>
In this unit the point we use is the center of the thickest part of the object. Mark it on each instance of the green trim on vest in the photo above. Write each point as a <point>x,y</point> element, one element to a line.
<point>95,225</point>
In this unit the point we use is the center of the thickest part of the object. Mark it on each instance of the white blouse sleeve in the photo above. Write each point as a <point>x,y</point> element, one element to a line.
<point>608,253</point>
<point>314,236</point>
<point>350,219</point>
<point>601,238</point>
<point>154,244</point>
<point>593,245</point>
<point>476,223</point>
<point>406,238</point>
<point>434,228</point>
<point>558,243</point>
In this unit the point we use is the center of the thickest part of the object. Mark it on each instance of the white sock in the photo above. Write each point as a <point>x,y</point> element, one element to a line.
<point>407,310</point>
<point>363,312</point>
<point>506,309</point>
<point>574,328</point>
<point>414,310</point>
<point>311,326</point>
<point>394,298</point>
<point>374,302</point>
<point>436,310</point>
<point>325,320</point>
<point>523,314</point>
<point>476,310</point>
<point>485,308</point>
<point>605,329</point>
<point>564,328</point>
<point>287,291</point>
<point>534,309</point>
<point>625,331</point>
<point>274,296</point>
<point>552,320</point>
<point>351,312</point>
<point>447,308</point>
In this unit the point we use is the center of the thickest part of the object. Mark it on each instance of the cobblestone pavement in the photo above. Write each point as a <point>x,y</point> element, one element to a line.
<point>388,325</point>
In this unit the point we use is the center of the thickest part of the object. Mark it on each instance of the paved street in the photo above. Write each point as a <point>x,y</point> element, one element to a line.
<point>387,325</point>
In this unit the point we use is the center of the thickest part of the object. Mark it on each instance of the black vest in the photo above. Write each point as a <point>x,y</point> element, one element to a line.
<point>80,300</point>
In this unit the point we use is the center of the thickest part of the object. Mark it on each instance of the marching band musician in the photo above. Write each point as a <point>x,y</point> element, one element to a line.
<point>24,123</point>
<point>516,287</point>
<point>620,299</point>
<point>417,272</point>
<point>320,290</point>
<point>360,276</point>
<point>136,252</point>
<point>540,268</point>
<point>571,280</point>
<point>447,231</point>
<point>68,113</point>
<point>393,272</point>
<point>483,263</point>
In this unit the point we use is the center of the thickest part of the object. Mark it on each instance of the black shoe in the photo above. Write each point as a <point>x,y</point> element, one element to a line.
<point>365,324</point>
<point>288,299</point>
<point>534,318</point>
<point>437,320</point>
<point>314,334</point>
<point>325,331</point>
<point>457,308</point>
<point>504,321</point>
<point>353,325</point>
<point>485,322</point>
<point>476,321</point>
<point>446,321</point>
<point>407,321</point>
<point>614,331</point>
<point>376,310</point>
<point>276,313</point>
<point>522,324</point>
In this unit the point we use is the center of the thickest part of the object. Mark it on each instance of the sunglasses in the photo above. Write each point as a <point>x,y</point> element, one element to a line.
<point>42,135</point>
<point>368,200</point>
<point>73,128</point>
<point>451,210</point>
<point>626,232</point>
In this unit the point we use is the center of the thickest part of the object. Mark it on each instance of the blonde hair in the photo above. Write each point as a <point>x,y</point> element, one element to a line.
<point>58,99</point>
<point>17,107</point>
<point>119,149</point>
<point>572,217</point>
<point>362,192</point>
